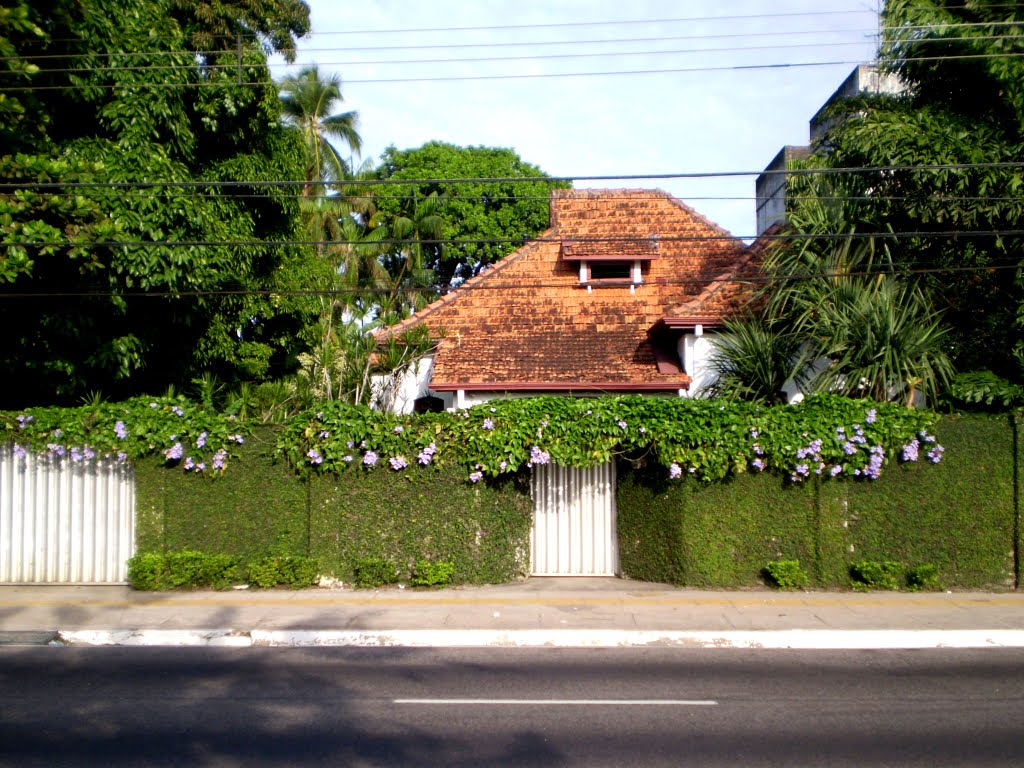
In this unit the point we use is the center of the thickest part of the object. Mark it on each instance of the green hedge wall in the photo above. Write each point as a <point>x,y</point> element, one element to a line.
<point>262,508</point>
<point>961,516</point>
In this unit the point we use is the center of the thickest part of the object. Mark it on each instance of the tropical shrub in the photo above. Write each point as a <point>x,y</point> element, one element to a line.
<point>786,574</point>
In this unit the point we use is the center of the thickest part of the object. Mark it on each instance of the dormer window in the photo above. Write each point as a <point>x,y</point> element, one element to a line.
<point>611,264</point>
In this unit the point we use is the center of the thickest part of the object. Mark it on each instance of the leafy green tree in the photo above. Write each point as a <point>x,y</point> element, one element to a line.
<point>127,273</point>
<point>308,100</point>
<point>482,221</point>
<point>963,64</point>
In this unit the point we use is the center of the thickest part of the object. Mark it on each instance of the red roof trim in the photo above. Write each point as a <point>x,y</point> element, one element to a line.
<point>610,257</point>
<point>564,386</point>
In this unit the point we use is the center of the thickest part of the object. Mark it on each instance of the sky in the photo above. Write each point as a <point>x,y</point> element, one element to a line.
<point>648,87</point>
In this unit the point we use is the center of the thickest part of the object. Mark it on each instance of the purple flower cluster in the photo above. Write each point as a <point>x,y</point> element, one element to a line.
<point>910,450</point>
<point>220,459</point>
<point>871,417</point>
<point>537,456</point>
<point>314,457</point>
<point>201,440</point>
<point>25,419</point>
<point>370,459</point>
<point>874,468</point>
<point>675,471</point>
<point>622,424</point>
<point>236,439</point>
<point>19,451</point>
<point>488,423</point>
<point>476,476</point>
<point>120,430</point>
<point>759,464</point>
<point>836,469</point>
<point>935,454</point>
<point>427,454</point>
<point>174,452</point>
<point>177,411</point>
<point>55,449</point>
<point>398,462</point>
<point>399,429</point>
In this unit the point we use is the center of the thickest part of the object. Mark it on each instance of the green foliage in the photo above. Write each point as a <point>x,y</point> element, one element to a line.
<point>474,214</point>
<point>307,100</point>
<point>374,572</point>
<point>958,516</point>
<point>148,571</point>
<point>922,577</point>
<point>985,388</point>
<point>181,433</point>
<point>786,574</point>
<point>878,331</point>
<point>752,361</point>
<point>964,107</point>
<point>708,439</point>
<point>158,571</point>
<point>870,574</point>
<point>296,572</point>
<point>131,276</point>
<point>429,573</point>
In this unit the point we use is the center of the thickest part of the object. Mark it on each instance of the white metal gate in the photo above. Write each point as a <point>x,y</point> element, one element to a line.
<point>65,522</point>
<point>574,518</point>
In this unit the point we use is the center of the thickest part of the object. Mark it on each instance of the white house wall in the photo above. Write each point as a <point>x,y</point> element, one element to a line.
<point>398,394</point>
<point>695,354</point>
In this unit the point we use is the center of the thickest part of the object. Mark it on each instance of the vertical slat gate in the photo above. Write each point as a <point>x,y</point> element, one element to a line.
<point>574,518</point>
<point>65,522</point>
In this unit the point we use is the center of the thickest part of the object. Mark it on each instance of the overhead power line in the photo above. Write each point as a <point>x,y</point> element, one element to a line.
<point>441,242</point>
<point>873,33</point>
<point>148,184</point>
<point>519,76</point>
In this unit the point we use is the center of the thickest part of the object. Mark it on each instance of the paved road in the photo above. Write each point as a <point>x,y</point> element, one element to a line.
<point>509,707</point>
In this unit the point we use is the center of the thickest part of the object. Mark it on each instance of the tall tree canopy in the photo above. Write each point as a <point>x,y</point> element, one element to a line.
<point>482,221</point>
<point>963,64</point>
<point>122,270</point>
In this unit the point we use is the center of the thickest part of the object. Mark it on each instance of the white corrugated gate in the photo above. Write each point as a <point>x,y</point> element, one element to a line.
<point>65,522</point>
<point>574,517</point>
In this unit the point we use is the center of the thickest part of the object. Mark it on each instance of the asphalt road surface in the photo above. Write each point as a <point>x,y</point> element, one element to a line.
<point>509,707</point>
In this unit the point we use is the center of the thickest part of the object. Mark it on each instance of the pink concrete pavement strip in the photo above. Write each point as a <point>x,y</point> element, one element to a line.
<point>561,606</point>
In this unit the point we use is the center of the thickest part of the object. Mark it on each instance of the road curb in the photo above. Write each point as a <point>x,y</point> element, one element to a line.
<point>540,638</point>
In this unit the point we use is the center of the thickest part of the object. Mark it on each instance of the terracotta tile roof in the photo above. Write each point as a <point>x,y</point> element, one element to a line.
<point>527,323</point>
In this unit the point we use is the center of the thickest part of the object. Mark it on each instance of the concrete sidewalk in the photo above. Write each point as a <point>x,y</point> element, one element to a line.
<point>537,612</point>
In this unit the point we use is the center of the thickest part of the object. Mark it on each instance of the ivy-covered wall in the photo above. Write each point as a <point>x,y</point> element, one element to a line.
<point>263,507</point>
<point>715,491</point>
<point>962,515</point>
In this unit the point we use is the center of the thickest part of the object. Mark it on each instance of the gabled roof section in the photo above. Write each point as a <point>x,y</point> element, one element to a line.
<point>528,323</point>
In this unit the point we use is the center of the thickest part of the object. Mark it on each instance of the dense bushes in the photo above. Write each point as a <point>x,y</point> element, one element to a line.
<point>960,518</point>
<point>189,568</point>
<point>262,509</point>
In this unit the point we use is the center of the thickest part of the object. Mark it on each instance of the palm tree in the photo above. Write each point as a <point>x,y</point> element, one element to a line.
<point>874,324</point>
<point>307,102</point>
<point>753,361</point>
